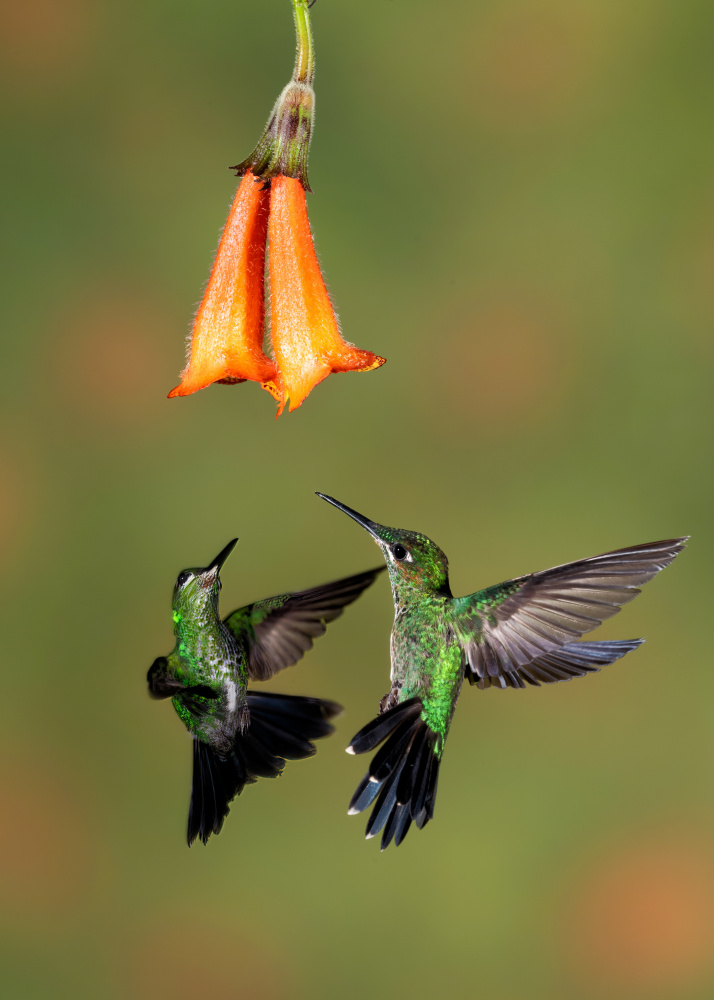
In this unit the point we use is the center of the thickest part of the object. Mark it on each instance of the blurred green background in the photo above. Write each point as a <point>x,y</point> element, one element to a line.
<point>514,204</point>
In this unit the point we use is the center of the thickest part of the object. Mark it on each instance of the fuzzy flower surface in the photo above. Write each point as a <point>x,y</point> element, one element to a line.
<point>268,219</point>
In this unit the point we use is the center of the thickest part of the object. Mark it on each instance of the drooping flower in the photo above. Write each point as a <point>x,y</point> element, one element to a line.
<point>228,333</point>
<point>227,340</point>
<point>306,338</point>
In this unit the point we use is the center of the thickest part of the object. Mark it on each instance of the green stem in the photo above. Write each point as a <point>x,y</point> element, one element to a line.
<point>305,56</point>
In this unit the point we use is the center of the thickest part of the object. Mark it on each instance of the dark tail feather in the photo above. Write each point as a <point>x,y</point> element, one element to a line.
<point>307,717</point>
<point>402,775</point>
<point>371,735</point>
<point>281,728</point>
<point>216,780</point>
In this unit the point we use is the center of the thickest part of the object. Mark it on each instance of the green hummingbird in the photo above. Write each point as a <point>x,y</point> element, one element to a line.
<point>523,631</point>
<point>240,734</point>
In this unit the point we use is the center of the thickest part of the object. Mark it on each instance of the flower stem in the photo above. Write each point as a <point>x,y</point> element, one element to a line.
<point>284,145</point>
<point>305,56</point>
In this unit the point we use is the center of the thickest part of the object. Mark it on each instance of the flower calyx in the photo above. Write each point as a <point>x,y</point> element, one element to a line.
<point>284,145</point>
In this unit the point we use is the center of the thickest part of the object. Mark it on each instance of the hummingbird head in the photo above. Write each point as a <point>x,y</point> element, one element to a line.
<point>414,562</point>
<point>196,590</point>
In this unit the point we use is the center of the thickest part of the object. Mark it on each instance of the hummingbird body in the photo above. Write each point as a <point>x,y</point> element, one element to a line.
<point>523,631</point>
<point>240,734</point>
<point>427,661</point>
<point>207,654</point>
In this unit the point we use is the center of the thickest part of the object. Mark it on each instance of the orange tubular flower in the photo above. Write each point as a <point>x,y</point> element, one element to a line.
<point>306,338</point>
<point>227,340</point>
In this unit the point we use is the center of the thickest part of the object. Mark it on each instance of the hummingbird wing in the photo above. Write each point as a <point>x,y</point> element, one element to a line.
<point>524,629</point>
<point>281,629</point>
<point>164,684</point>
<point>575,659</point>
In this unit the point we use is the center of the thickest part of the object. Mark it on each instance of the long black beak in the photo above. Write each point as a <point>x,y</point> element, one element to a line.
<point>372,527</point>
<point>222,555</point>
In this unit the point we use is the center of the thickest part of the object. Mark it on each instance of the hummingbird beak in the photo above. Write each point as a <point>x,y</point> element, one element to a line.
<point>222,556</point>
<point>372,527</point>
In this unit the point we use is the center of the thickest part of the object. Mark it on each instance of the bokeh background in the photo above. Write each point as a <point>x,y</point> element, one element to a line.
<point>514,204</point>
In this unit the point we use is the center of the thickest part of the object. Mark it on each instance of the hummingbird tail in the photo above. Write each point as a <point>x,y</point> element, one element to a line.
<point>402,775</point>
<point>281,728</point>
<point>217,780</point>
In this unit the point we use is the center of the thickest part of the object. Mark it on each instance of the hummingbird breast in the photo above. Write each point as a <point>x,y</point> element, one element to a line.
<point>215,660</point>
<point>427,661</point>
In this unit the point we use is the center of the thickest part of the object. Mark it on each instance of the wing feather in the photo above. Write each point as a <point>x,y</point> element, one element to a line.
<point>282,629</point>
<point>512,629</point>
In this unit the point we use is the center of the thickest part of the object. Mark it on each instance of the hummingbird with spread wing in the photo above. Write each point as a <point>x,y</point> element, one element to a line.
<point>240,734</point>
<point>524,631</point>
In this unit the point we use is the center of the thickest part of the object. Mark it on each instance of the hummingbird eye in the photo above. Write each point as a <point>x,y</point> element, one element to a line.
<point>399,552</point>
<point>183,578</point>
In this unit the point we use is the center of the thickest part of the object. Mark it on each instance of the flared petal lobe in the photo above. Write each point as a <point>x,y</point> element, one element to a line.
<point>305,335</point>
<point>227,338</point>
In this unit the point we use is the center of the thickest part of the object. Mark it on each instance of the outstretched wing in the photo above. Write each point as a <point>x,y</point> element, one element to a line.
<point>282,629</point>
<point>506,628</point>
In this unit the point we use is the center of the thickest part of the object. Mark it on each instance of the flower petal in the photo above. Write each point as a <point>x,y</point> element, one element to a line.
<point>227,339</point>
<point>305,335</point>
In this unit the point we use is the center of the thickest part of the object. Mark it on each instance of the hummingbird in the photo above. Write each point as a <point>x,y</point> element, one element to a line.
<point>240,734</point>
<point>524,631</point>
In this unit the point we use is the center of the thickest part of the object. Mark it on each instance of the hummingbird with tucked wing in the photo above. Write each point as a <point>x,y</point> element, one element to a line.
<point>240,734</point>
<point>524,631</point>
